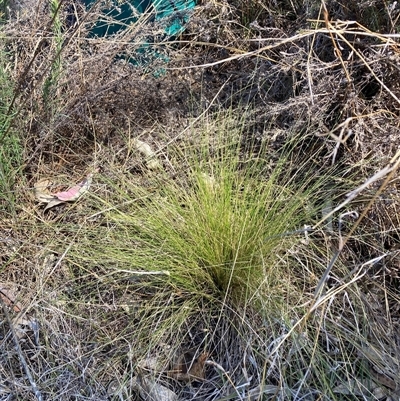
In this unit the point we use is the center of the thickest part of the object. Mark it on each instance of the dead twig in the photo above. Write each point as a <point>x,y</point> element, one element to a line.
<point>20,353</point>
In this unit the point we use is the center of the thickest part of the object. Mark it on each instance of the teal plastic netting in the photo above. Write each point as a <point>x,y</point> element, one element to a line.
<point>168,15</point>
<point>118,15</point>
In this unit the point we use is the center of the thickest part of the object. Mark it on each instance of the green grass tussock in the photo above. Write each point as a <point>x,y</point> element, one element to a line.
<point>219,227</point>
<point>208,238</point>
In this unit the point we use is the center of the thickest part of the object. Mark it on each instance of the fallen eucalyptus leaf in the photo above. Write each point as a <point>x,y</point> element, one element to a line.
<point>53,202</point>
<point>41,191</point>
<point>8,296</point>
<point>22,322</point>
<point>151,160</point>
<point>76,191</point>
<point>189,367</point>
<point>149,390</point>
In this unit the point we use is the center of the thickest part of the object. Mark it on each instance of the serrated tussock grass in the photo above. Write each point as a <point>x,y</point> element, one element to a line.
<point>219,224</point>
<point>214,239</point>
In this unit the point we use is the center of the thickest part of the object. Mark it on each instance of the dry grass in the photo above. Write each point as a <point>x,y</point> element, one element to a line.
<point>77,324</point>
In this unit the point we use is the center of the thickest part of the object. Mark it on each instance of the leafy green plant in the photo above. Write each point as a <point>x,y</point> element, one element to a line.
<point>10,145</point>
